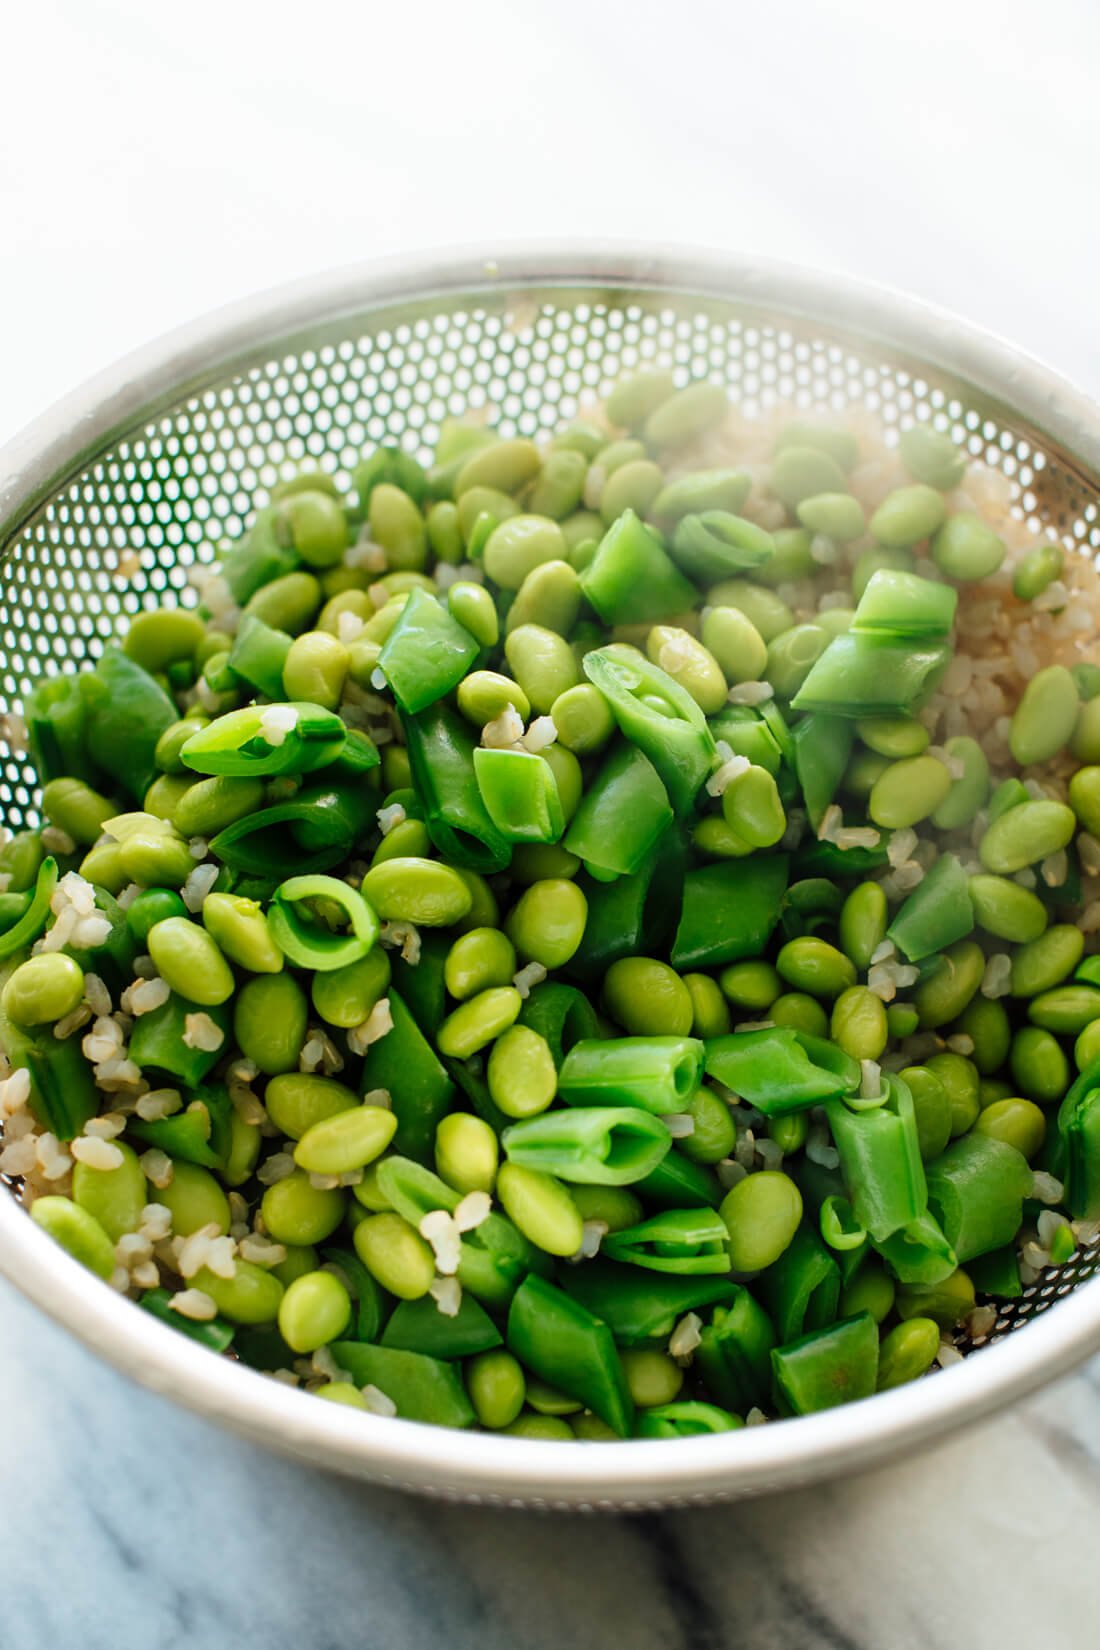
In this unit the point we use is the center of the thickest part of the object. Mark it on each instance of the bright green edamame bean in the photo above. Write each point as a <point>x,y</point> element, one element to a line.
<point>751,983</point>
<point>560,486</point>
<point>172,740</point>
<point>250,1296</point>
<point>484,694</point>
<point>582,718</point>
<point>616,1206</point>
<point>479,1021</point>
<point>398,526</point>
<point>1086,1050</point>
<point>986,1023</point>
<point>542,1208</point>
<point>1084,798</point>
<point>466,1152</point>
<point>1085,744</point>
<point>946,1303</point>
<point>652,1376</point>
<point>521,1073</point>
<point>1065,1010</point>
<point>496,1387</point>
<point>289,603</point>
<point>315,1310</point>
<point>547,1427</point>
<point>342,1392</point>
<point>549,596</point>
<point>686,414</point>
<point>871,1290</point>
<point>837,515</point>
<point>902,1019</point>
<point>790,1132</point>
<point>159,638</point>
<point>156,857</point>
<point>479,511</point>
<point>907,515</point>
<point>239,928</point>
<point>647,998</point>
<point>932,457</point>
<point>800,471</point>
<point>74,807</point>
<point>1037,569</point>
<point>710,1015</point>
<point>762,1213</point>
<point>166,793</point>
<point>859,1023</point>
<point>908,792</point>
<point>77,1232</point>
<point>209,805</point>
<point>632,486</point>
<point>43,989</point>
<point>894,736</point>
<point>356,602</point>
<point>1044,962</point>
<point>1044,720</point>
<point>792,655</point>
<point>959,1077</point>
<point>714,837</point>
<point>315,669</point>
<point>345,996</point>
<point>969,792</point>
<point>294,1211</point>
<point>944,995</point>
<point>1039,1066</point>
<point>800,1012</point>
<point>906,1352</point>
<point>318,525</point>
<point>752,808</point>
<point>1005,909</point>
<point>478,959</point>
<point>444,534</point>
<point>542,662</point>
<point>1028,833</point>
<point>967,548</point>
<point>297,1101</point>
<point>1018,1123</point>
<point>931,1108</point>
<point>194,1199</point>
<point>816,967</point>
<point>714,1135</point>
<point>546,924</point>
<point>767,612</point>
<point>517,546</point>
<point>245,1141</point>
<point>421,891</point>
<point>187,958</point>
<point>862,925</point>
<point>735,644</point>
<point>270,1017</point>
<point>690,664</point>
<point>349,1140</point>
<point>113,1197</point>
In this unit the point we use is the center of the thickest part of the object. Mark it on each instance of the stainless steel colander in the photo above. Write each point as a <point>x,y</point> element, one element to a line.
<point>107,501</point>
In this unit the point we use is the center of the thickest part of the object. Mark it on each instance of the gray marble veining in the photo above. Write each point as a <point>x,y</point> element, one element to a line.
<point>129,1525</point>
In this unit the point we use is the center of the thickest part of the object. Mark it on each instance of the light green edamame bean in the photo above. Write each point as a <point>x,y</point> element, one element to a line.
<point>686,414</point>
<point>906,1352</point>
<point>632,486</point>
<point>616,1206</point>
<point>908,792</point>
<point>710,1015</point>
<point>875,561</point>
<point>1084,798</point>
<point>986,1023</point>
<point>651,1375</point>
<point>863,772</point>
<point>156,857</point>
<point>840,444</point>
<point>762,1214</point>
<point>408,839</point>
<point>315,1310</point>
<point>859,1023</point>
<point>837,515</point>
<point>547,1427</point>
<point>167,792</point>
<point>172,740</point>
<point>466,1152</point>
<point>714,1134</point>
<point>363,657</point>
<point>209,805</point>
<point>480,510</point>
<point>484,911</point>
<point>1018,1123</point>
<point>1027,833</point>
<point>161,637</point>
<point>702,490</point>
<point>546,924</point>
<point>638,394</point>
<point>517,546</point>
<point>801,1012</point>
<point>969,792</point>
<point>944,995</point>
<point>521,1074</point>
<point>767,612</point>
<point>946,1303</point>
<point>345,1141</point>
<point>345,996</point>
<point>907,515</point>
<point>735,644</point>
<point>800,471</point>
<point>77,1233</point>
<point>194,1200</point>
<point>481,958</point>
<point>560,486</point>
<point>239,928</point>
<point>583,527</point>
<point>496,1387</point>
<point>113,1197</point>
<point>270,1017</point>
<point>815,967</point>
<point>189,961</point>
<point>1005,909</point>
<point>1044,720</point>
<point>902,1019</point>
<point>647,998</point>
<point>444,534</point>
<point>752,808</point>
<point>1039,1066</point>
<point>583,719</point>
<point>790,1132</point>
<point>931,1110</point>
<point>482,1019</point>
<point>297,1101</point>
<point>932,457</point>
<point>550,596</point>
<point>294,1211</point>
<point>421,891</point>
<point>542,1208</point>
<point>396,772</point>
<point>315,669</point>
<point>967,548</point>
<point>507,465</point>
<point>43,989</point>
<point>1045,962</point>
<point>690,664</point>
<point>245,1141</point>
<point>1086,1050</point>
<point>103,866</point>
<point>381,626</point>
<point>356,602</point>
<point>894,736</point>
<point>871,1290</point>
<point>1065,1010</point>
<point>342,1392</point>
<point>542,662</point>
<point>713,836</point>
<point>250,1296</point>
<point>1085,744</point>
<point>1037,569</point>
<point>398,526</point>
<point>74,807</point>
<point>862,923</point>
<point>400,584</point>
<point>318,525</point>
<point>484,694</point>
<point>959,1077</point>
<point>792,559</point>
<point>368,1194</point>
<point>751,984</point>
<point>289,603</point>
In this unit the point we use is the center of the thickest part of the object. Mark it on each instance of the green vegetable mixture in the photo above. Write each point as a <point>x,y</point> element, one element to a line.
<point>514,955</point>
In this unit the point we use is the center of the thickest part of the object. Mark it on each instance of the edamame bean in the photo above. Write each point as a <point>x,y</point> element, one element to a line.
<point>789,1132</point>
<point>239,928</point>
<point>560,487</point>
<point>792,655</point>
<point>637,395</point>
<point>496,1387</point>
<point>77,1233</point>
<point>466,1151</point>
<point>968,793</point>
<point>318,526</point>
<point>840,444</point>
<point>944,995</point>
<point>315,669</point>
<point>481,958</point>
<point>651,1375</point>
<point>710,1014</point>
<point>735,644</point>
<point>837,515</point>
<point>907,515</point>
<point>815,967</point>
<point>959,1077</point>
<point>43,989</point>
<point>946,1303</point>
<point>75,808</point>
<point>543,664</point>
<point>485,694</point>
<point>507,465</point>
<point>762,1213</point>
<point>907,1352</point>
<point>1085,743</point>
<point>647,998</point>
<point>156,855</point>
<point>871,1290</point>
<point>421,891</point>
<point>691,495</point>
<point>752,808</point>
<point>1086,1050</point>
<point>1030,832</point>
<point>859,1023</point>
<point>801,471</point>
<point>157,639</point>
<point>791,560</point>
<point>690,664</point>
<point>113,1197</point>
<point>1084,798</point>
<point>482,1019</point>
<point>297,1101</point>
<point>801,1012</point>
<point>986,1023</point>
<point>1065,1010</point>
<point>295,1211</point>
<point>1044,720</point>
<point>615,1206</point>
<point>767,612</point>
<point>550,596</point>
<point>751,984</point>
<point>521,1073</point>
<point>967,548</point>
<point>517,546</point>
<point>686,414</point>
<point>1044,962</point>
<point>269,1022</point>
<point>1006,910</point>
<point>398,526</point>
<point>632,486</point>
<point>483,912</point>
<point>1018,1123</point>
<point>472,605</point>
<point>894,736</point>
<point>289,603</point>
<point>862,924</point>
<point>172,740</point>
<point>342,1392</point>
<point>167,792</point>
<point>908,792</point>
<point>1039,1066</point>
<point>546,924</point>
<point>194,1200</point>
<point>583,719</point>
<point>714,1134</point>
<point>550,1428</point>
<point>542,1208</point>
<point>345,996</point>
<point>314,1310</point>
<point>932,457</point>
<point>878,560</point>
<point>209,805</point>
<point>1039,568</point>
<point>250,1296</point>
<point>346,1140</point>
<point>189,961</point>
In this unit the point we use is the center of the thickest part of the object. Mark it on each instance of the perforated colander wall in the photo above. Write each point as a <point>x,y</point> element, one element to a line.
<point>121,534</point>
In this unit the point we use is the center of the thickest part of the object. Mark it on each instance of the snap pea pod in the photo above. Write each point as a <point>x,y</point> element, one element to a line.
<point>562,1343</point>
<point>655,714</point>
<point>404,1064</point>
<point>422,1388</point>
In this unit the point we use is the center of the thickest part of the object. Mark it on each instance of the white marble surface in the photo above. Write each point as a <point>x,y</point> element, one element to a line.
<point>160,160</point>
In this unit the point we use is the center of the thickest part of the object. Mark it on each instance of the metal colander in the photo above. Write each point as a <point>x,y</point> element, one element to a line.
<point>107,502</point>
